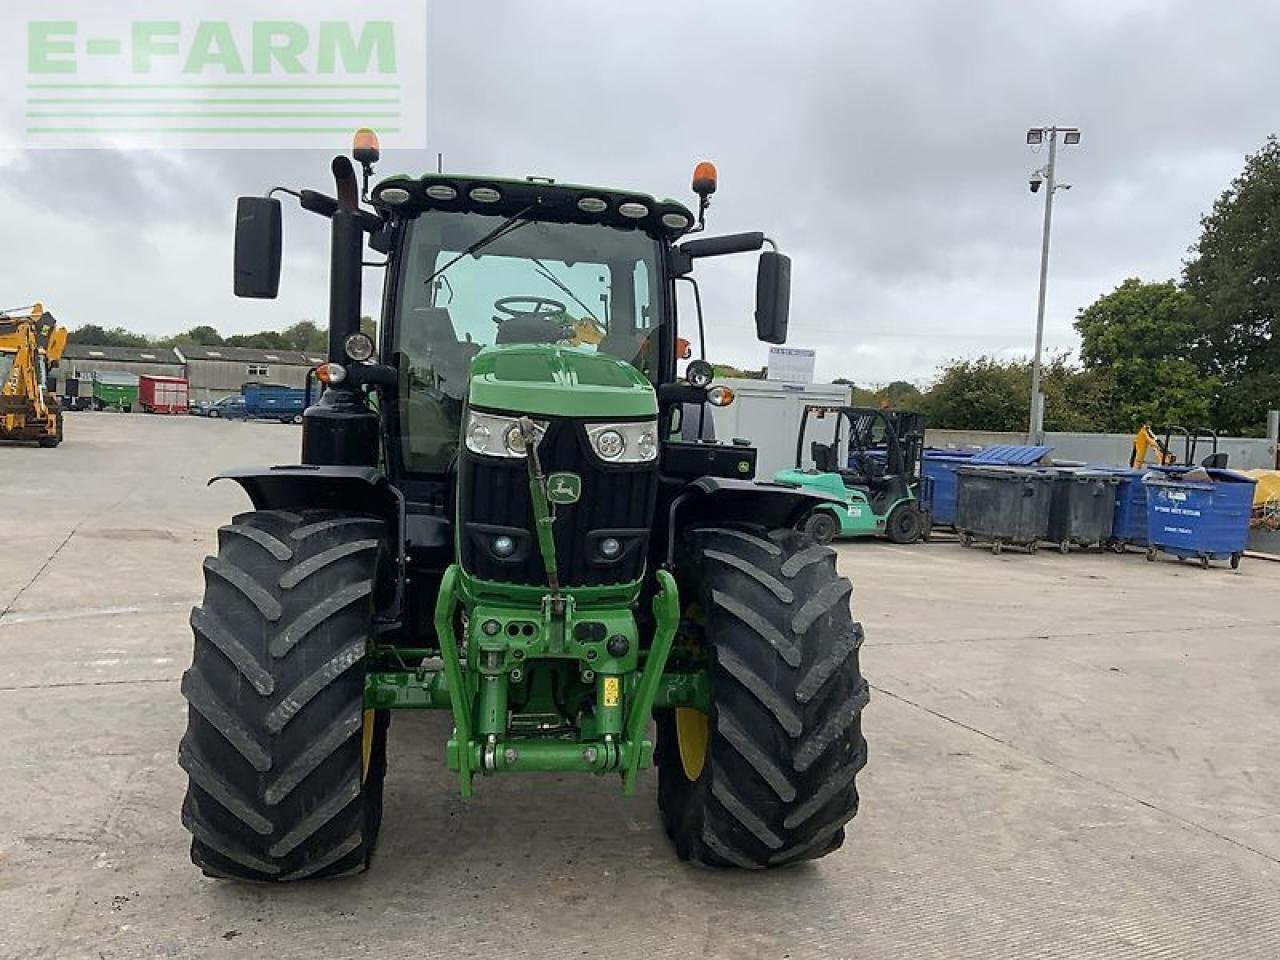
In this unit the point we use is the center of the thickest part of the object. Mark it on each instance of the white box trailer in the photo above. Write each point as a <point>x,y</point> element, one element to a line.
<point>767,412</point>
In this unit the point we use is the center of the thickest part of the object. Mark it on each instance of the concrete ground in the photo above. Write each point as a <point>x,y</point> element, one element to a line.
<point>1070,757</point>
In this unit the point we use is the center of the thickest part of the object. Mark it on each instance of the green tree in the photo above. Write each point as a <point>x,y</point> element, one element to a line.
<point>1233,277</point>
<point>991,394</point>
<point>981,394</point>
<point>305,336</point>
<point>1137,341</point>
<point>264,340</point>
<point>199,336</point>
<point>900,395</point>
<point>204,336</point>
<point>95,336</point>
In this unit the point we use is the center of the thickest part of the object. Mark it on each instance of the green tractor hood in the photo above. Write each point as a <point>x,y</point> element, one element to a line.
<point>558,381</point>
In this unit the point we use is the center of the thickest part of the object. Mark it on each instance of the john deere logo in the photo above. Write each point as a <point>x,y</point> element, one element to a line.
<point>564,487</point>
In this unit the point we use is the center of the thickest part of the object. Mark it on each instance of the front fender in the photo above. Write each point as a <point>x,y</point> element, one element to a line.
<point>771,505</point>
<point>308,487</point>
<point>344,488</point>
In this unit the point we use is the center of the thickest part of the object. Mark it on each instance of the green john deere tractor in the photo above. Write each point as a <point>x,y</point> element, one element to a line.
<point>495,515</point>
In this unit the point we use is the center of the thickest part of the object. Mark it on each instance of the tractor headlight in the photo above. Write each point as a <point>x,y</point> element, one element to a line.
<point>358,347</point>
<point>635,442</point>
<point>495,436</point>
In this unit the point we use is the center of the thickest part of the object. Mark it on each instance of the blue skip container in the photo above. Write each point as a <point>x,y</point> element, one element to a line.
<point>1129,523</point>
<point>1199,519</point>
<point>940,470</point>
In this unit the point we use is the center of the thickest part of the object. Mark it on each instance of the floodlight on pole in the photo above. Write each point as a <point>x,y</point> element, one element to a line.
<point>1046,176</point>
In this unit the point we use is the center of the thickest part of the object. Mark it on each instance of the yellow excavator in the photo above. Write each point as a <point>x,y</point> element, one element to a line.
<point>30,343</point>
<point>1145,442</point>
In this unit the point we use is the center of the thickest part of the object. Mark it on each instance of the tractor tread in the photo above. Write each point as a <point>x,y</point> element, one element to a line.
<point>760,688</point>
<point>309,619</point>
<point>767,632</point>
<point>318,817</point>
<point>741,741</point>
<point>778,783</point>
<point>328,526</point>
<point>209,626</point>
<point>798,561</point>
<point>762,543</point>
<point>844,646</point>
<point>273,545</point>
<point>772,584</point>
<point>823,841</point>
<point>821,798</point>
<point>328,859</point>
<point>726,852</point>
<point>337,733</point>
<point>821,602</point>
<point>222,844</point>
<point>267,605</point>
<point>278,785</point>
<point>743,815</point>
<point>295,575</point>
<point>204,777</point>
<point>815,744</point>
<point>297,698</point>
<point>219,716</point>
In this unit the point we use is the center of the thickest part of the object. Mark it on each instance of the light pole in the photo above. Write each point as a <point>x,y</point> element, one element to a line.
<point>1045,176</point>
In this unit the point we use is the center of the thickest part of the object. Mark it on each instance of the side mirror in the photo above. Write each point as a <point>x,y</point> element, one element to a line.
<point>773,296</point>
<point>259,236</point>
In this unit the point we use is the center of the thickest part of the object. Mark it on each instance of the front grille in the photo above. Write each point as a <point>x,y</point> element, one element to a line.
<point>616,501</point>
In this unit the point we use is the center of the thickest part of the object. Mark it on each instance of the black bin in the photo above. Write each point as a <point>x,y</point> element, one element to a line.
<point>1003,505</point>
<point>1083,507</point>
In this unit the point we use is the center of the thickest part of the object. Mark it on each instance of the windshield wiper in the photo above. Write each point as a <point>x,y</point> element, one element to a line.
<point>545,271</point>
<point>507,226</point>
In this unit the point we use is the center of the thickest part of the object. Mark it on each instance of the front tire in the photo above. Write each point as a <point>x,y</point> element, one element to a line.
<point>905,524</point>
<point>782,745</point>
<point>285,765</point>
<point>822,526</point>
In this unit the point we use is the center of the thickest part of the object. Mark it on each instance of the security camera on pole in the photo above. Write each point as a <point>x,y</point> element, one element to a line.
<point>1045,176</point>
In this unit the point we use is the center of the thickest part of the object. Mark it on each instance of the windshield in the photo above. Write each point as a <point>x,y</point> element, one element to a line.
<point>6,366</point>
<point>586,285</point>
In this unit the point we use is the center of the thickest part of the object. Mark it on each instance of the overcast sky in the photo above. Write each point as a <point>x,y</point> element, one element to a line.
<point>881,144</point>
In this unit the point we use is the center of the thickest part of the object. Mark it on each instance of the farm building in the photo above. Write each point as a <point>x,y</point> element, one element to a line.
<point>213,372</point>
<point>80,361</point>
<point>217,372</point>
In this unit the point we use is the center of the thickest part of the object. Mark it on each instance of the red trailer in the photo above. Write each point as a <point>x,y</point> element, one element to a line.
<point>158,394</point>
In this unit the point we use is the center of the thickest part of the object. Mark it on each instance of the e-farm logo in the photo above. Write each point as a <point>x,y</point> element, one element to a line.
<point>225,74</point>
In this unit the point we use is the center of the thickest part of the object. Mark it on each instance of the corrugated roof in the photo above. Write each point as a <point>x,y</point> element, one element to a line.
<point>247,355</point>
<point>1011,454</point>
<point>86,351</point>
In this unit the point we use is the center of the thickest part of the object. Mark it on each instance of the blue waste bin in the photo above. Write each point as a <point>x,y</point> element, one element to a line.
<point>1129,523</point>
<point>1198,518</point>
<point>941,471</point>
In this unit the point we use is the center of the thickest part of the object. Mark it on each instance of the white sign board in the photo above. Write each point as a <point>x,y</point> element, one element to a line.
<point>788,363</point>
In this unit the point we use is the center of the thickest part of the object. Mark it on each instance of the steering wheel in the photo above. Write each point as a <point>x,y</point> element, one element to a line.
<point>541,307</point>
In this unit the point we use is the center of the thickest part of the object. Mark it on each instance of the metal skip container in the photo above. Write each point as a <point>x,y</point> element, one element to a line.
<point>1083,507</point>
<point>1003,506</point>
<point>1200,514</point>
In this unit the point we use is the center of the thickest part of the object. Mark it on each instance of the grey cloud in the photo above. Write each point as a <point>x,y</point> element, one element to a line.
<point>881,143</point>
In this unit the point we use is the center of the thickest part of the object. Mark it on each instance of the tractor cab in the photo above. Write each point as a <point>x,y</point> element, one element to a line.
<point>870,458</point>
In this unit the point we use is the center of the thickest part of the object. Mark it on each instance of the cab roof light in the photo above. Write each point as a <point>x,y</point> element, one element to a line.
<point>632,210</point>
